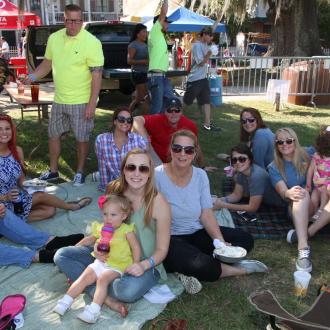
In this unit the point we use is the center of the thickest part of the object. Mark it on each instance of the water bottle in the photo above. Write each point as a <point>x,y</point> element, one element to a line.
<point>106,236</point>
<point>18,202</point>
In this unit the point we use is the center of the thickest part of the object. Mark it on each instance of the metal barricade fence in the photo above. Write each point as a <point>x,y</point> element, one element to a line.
<point>309,76</point>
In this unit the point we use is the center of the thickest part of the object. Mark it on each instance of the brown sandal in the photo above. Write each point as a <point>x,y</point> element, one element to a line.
<point>171,324</point>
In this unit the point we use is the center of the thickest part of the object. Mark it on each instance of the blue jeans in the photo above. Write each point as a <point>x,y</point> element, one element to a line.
<point>73,260</point>
<point>16,230</point>
<point>159,87</point>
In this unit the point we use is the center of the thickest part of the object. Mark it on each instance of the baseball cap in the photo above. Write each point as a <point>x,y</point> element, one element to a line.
<point>207,30</point>
<point>166,19</point>
<point>172,103</point>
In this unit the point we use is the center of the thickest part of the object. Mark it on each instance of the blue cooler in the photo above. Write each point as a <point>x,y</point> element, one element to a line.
<point>216,90</point>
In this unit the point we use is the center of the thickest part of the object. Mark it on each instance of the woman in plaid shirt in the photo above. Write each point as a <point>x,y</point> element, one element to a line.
<point>112,147</point>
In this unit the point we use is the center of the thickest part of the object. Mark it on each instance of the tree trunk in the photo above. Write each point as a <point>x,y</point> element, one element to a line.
<point>295,32</point>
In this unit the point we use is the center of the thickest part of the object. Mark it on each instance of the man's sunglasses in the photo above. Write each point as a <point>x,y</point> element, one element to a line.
<point>177,148</point>
<point>122,119</point>
<point>173,110</point>
<point>73,21</point>
<point>239,159</point>
<point>287,141</point>
<point>142,168</point>
<point>248,120</point>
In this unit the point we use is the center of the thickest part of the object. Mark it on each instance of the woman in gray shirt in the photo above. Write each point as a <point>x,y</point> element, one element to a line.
<point>137,57</point>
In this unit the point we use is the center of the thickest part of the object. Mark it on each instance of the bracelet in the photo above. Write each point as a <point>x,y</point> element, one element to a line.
<point>32,77</point>
<point>151,262</point>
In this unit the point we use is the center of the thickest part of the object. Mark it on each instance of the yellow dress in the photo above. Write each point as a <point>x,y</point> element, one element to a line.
<point>120,255</point>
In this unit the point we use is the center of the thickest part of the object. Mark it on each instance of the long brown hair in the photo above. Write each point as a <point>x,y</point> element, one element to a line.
<point>322,144</point>
<point>244,135</point>
<point>115,116</point>
<point>12,143</point>
<point>119,186</point>
<point>300,159</point>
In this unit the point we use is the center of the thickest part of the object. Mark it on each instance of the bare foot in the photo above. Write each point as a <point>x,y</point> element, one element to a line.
<point>116,306</point>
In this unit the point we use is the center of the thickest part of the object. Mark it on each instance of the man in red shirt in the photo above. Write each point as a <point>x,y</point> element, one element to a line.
<point>158,128</point>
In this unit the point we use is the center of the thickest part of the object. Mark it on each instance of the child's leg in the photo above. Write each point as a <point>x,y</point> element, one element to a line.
<point>315,198</point>
<point>102,285</point>
<point>87,278</point>
<point>324,197</point>
<point>116,306</point>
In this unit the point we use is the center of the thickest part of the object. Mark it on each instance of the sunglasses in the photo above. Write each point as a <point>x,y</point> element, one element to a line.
<point>173,110</point>
<point>239,159</point>
<point>73,21</point>
<point>142,168</point>
<point>177,148</point>
<point>287,141</point>
<point>122,119</point>
<point>248,120</point>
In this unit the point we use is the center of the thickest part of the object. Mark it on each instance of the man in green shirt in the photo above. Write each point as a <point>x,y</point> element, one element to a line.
<point>158,83</point>
<point>76,59</point>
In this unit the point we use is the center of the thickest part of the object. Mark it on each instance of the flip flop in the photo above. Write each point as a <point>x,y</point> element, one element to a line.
<point>9,308</point>
<point>82,202</point>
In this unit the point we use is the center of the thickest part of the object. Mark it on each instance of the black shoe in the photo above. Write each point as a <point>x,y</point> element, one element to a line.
<point>46,256</point>
<point>47,176</point>
<point>211,127</point>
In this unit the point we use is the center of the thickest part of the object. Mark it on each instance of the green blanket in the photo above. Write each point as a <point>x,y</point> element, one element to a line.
<point>44,284</point>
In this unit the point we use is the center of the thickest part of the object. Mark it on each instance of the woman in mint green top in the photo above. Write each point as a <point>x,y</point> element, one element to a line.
<point>152,219</point>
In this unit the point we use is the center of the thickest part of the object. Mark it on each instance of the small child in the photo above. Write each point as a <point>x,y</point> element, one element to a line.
<point>124,250</point>
<point>319,172</point>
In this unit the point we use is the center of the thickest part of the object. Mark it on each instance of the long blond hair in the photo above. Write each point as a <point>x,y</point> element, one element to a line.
<point>119,186</point>
<point>300,159</point>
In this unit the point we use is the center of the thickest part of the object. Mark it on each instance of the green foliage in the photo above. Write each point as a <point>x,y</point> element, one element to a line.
<point>323,20</point>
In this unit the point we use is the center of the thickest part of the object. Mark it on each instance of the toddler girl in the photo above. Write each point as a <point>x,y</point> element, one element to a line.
<point>124,250</point>
<point>319,172</point>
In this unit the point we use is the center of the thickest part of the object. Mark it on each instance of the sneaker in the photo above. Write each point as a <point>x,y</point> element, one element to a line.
<point>88,315</point>
<point>49,176</point>
<point>291,236</point>
<point>252,266</point>
<point>190,283</point>
<point>79,179</point>
<point>304,260</point>
<point>61,307</point>
<point>211,127</point>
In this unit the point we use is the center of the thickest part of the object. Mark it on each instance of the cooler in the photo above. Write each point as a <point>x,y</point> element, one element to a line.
<point>18,64</point>
<point>216,90</point>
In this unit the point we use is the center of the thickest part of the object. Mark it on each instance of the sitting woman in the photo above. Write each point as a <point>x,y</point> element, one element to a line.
<point>152,220</point>
<point>252,184</point>
<point>195,232</point>
<point>288,175</point>
<point>112,147</point>
<point>41,246</point>
<point>38,206</point>
<point>257,136</point>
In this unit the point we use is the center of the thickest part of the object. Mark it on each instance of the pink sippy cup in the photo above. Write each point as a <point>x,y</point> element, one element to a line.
<point>106,236</point>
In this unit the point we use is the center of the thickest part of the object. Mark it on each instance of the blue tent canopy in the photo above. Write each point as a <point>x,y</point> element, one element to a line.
<point>185,20</point>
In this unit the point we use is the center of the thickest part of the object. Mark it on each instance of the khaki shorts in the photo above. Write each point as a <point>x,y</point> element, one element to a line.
<point>100,267</point>
<point>66,117</point>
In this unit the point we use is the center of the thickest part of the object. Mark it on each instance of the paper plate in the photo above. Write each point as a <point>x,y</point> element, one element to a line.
<point>35,183</point>
<point>230,254</point>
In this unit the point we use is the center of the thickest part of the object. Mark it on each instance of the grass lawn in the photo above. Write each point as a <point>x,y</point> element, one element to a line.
<point>221,305</point>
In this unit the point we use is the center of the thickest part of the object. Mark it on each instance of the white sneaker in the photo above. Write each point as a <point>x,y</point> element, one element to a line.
<point>190,283</point>
<point>79,179</point>
<point>61,307</point>
<point>88,315</point>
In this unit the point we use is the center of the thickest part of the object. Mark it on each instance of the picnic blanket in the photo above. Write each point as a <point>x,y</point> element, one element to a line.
<point>44,284</point>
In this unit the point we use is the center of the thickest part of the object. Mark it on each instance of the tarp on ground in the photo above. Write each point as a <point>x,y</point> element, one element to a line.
<point>10,20</point>
<point>185,20</point>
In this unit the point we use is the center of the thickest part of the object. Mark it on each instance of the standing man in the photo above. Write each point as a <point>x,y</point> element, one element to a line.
<point>197,84</point>
<point>76,59</point>
<point>159,128</point>
<point>158,83</point>
<point>4,49</point>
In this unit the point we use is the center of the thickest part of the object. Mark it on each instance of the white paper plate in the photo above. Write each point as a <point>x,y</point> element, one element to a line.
<point>35,183</point>
<point>230,254</point>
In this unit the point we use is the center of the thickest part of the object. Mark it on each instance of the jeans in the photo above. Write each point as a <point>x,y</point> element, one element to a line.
<point>159,87</point>
<point>191,254</point>
<point>73,260</point>
<point>17,231</point>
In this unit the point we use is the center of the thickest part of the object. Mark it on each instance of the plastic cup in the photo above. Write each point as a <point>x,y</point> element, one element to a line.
<point>35,92</point>
<point>20,88</point>
<point>301,282</point>
<point>229,171</point>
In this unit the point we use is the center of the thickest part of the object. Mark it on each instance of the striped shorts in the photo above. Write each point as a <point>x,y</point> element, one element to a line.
<point>66,117</point>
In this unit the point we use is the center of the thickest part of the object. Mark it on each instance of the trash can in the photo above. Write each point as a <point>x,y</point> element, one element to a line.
<point>216,90</point>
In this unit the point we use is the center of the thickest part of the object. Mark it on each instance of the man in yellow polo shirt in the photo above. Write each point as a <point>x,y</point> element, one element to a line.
<point>76,59</point>
<point>158,84</point>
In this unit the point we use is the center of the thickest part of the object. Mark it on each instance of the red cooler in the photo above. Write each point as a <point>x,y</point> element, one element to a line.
<point>19,65</point>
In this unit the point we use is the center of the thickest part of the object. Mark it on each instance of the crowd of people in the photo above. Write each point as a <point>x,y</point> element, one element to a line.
<point>151,170</point>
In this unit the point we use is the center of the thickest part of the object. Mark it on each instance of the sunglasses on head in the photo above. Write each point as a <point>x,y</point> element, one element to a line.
<point>287,141</point>
<point>240,159</point>
<point>142,168</point>
<point>122,119</point>
<point>248,120</point>
<point>177,148</point>
<point>171,110</point>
